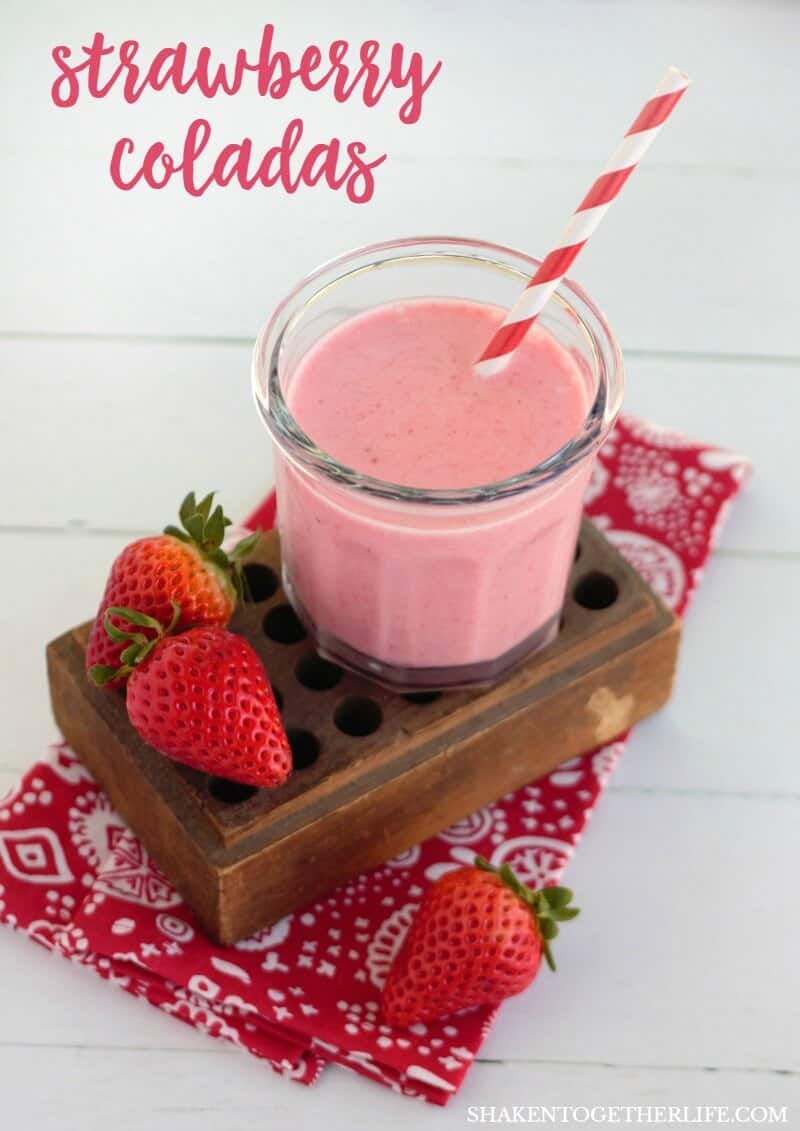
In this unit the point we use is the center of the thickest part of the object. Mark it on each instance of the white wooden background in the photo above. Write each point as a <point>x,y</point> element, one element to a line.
<point>125,326</point>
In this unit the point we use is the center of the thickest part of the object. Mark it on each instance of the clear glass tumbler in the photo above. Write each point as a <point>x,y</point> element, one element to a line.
<point>428,589</point>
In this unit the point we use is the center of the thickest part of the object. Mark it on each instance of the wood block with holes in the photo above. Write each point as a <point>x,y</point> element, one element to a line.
<point>375,772</point>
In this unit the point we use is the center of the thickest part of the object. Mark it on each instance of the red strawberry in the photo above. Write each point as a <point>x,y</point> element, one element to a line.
<point>478,937</point>
<point>202,698</point>
<point>184,566</point>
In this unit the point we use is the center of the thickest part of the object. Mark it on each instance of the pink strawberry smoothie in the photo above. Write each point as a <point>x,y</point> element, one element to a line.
<point>393,393</point>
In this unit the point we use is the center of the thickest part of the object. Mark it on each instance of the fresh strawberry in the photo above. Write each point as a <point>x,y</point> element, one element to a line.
<point>478,937</point>
<point>202,698</point>
<point>185,566</point>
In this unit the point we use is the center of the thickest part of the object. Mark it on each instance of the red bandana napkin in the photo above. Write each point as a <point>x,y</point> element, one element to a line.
<point>305,992</point>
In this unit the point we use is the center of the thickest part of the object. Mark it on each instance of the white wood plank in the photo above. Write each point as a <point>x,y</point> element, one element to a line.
<point>650,276</point>
<point>124,431</point>
<point>94,1088</point>
<point>742,405</point>
<point>731,724</point>
<point>87,257</point>
<point>57,581</point>
<point>680,956</point>
<point>8,778</point>
<point>75,1009</point>
<point>119,452</point>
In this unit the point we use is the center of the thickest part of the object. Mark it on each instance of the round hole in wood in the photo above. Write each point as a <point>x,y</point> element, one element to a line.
<point>305,747</point>
<point>317,674</point>
<point>358,716</point>
<point>282,626</point>
<point>423,696</point>
<point>276,691</point>
<point>260,582</point>
<point>230,792</point>
<point>596,590</point>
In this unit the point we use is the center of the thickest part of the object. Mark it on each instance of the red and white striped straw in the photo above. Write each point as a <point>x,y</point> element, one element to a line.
<point>587,216</point>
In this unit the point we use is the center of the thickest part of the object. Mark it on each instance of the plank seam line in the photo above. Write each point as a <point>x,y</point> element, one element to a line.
<point>232,1051</point>
<point>225,340</point>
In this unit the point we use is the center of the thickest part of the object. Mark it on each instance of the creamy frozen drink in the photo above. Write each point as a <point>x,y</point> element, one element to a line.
<point>402,557</point>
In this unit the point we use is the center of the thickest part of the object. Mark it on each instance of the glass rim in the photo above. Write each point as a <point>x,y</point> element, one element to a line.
<point>301,449</point>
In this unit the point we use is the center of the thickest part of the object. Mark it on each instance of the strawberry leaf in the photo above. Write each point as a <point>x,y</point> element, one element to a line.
<point>133,616</point>
<point>204,506</point>
<point>214,530</point>
<point>118,635</point>
<point>130,655</point>
<point>557,897</point>
<point>548,928</point>
<point>176,616</point>
<point>195,526</point>
<point>188,507</point>
<point>102,674</point>
<point>176,533</point>
<point>245,547</point>
<point>139,646</point>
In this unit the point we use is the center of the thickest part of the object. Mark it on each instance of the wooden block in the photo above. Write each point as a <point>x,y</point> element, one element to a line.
<point>375,772</point>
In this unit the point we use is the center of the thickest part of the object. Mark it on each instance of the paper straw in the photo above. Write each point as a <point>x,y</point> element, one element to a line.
<point>586,218</point>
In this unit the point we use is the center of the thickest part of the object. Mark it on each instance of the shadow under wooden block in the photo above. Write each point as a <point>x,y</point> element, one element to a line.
<point>375,772</point>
